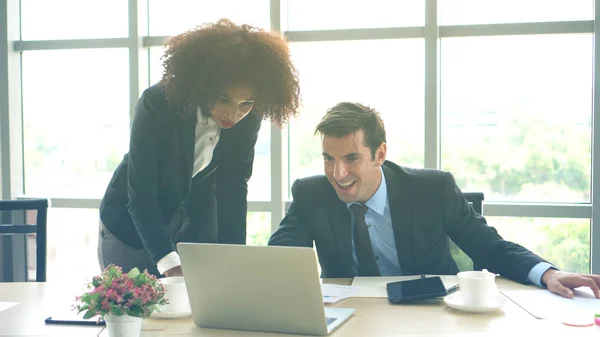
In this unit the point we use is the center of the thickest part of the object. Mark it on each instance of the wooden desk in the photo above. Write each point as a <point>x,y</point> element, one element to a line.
<point>373,317</point>
<point>37,301</point>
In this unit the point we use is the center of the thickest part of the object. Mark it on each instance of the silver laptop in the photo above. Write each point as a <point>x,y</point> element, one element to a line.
<point>274,289</point>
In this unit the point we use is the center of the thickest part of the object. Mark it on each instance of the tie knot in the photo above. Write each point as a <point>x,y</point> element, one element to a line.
<point>359,210</point>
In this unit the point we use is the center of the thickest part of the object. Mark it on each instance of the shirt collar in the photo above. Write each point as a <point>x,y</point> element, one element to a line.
<point>378,200</point>
<point>204,120</point>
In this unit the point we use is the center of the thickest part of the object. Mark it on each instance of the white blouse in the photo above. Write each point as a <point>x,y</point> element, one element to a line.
<point>207,137</point>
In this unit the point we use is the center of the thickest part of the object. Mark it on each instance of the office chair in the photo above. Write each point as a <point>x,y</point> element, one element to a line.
<point>475,199</point>
<point>463,261</point>
<point>39,228</point>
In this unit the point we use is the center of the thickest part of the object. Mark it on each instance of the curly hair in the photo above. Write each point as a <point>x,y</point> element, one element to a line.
<point>203,62</point>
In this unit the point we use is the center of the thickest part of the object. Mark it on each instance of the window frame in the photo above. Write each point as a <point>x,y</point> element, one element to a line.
<point>138,44</point>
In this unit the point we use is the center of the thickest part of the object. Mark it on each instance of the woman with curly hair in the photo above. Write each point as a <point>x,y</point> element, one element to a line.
<point>185,177</point>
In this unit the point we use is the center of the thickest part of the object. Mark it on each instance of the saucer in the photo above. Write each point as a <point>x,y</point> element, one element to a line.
<point>158,314</point>
<point>456,301</point>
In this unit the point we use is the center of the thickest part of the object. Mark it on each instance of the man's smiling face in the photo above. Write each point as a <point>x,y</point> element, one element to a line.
<point>351,168</point>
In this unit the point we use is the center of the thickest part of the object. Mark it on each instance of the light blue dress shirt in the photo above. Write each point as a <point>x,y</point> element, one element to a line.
<point>379,224</point>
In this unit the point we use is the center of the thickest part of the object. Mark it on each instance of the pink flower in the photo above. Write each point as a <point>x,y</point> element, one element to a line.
<point>114,290</point>
<point>105,305</point>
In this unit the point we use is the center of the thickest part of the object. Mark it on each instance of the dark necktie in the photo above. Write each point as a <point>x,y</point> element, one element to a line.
<point>367,266</point>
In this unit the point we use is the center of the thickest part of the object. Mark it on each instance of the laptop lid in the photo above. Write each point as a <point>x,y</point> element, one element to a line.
<point>258,288</point>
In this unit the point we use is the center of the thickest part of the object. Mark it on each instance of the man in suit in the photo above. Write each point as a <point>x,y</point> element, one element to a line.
<point>371,217</point>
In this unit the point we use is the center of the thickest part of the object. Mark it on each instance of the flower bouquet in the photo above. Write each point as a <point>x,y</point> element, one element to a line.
<point>122,300</point>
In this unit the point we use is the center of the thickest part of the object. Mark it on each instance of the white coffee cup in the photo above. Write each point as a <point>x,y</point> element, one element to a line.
<point>177,295</point>
<point>477,287</point>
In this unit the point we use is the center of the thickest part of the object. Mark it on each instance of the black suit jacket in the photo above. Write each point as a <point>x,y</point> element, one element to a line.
<point>427,209</point>
<point>155,179</point>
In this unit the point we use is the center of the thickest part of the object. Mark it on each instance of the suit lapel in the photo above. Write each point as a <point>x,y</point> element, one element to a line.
<point>399,199</point>
<point>340,218</point>
<point>224,138</point>
<point>188,139</point>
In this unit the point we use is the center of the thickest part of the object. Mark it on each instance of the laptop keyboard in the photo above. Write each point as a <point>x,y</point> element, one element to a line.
<point>330,320</point>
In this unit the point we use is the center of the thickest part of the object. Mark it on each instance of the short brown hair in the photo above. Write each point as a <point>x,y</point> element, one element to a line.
<point>203,62</point>
<point>346,118</point>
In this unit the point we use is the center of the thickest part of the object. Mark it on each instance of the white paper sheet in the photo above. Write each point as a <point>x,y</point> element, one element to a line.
<point>541,303</point>
<point>334,292</point>
<point>6,305</point>
<point>376,286</point>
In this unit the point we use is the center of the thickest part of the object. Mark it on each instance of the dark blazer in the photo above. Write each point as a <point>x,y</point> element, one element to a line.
<point>427,209</point>
<point>155,179</point>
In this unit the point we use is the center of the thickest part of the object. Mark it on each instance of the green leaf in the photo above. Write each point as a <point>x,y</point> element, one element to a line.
<point>133,273</point>
<point>89,314</point>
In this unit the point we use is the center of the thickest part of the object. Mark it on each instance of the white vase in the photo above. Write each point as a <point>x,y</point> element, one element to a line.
<point>123,326</point>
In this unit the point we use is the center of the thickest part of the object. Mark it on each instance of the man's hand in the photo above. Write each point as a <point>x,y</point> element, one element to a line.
<point>563,283</point>
<point>175,271</point>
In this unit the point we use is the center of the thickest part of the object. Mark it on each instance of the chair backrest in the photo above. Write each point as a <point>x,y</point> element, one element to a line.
<point>463,261</point>
<point>39,228</point>
<point>476,200</point>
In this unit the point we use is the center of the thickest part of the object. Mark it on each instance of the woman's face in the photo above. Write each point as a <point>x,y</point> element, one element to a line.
<point>232,105</point>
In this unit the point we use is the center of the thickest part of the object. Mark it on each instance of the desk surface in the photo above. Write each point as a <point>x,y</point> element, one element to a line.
<point>373,317</point>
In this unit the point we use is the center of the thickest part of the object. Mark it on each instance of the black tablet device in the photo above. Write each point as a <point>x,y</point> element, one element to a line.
<point>73,319</point>
<point>412,290</point>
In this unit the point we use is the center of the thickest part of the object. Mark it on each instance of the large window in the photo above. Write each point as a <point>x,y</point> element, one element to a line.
<point>259,228</point>
<point>342,14</point>
<point>73,19</point>
<point>72,243</point>
<point>516,115</point>
<point>468,12</point>
<point>500,93</point>
<point>387,75</point>
<point>170,17</point>
<point>563,241</point>
<point>75,120</point>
